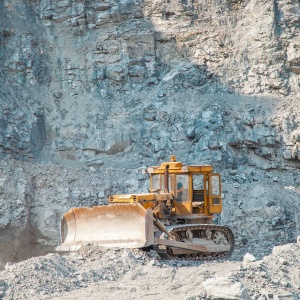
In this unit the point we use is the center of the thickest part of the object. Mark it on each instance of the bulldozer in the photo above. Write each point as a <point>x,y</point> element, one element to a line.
<point>175,217</point>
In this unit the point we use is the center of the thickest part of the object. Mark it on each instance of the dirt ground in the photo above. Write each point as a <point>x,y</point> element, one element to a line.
<point>100,273</point>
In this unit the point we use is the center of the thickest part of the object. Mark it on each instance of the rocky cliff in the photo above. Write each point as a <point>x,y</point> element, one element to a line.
<point>93,90</point>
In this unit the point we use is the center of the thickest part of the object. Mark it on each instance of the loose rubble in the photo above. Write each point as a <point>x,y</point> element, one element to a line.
<point>99,272</point>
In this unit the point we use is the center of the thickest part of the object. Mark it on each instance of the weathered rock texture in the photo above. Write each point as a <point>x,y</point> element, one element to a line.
<point>93,90</point>
<point>101,273</point>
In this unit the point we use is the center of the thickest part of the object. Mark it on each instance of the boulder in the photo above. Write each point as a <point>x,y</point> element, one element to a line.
<point>224,288</point>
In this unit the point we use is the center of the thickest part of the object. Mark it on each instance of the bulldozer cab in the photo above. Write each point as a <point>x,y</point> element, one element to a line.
<point>196,189</point>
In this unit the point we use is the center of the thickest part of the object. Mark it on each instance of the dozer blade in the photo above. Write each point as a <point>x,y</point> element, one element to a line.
<point>117,225</point>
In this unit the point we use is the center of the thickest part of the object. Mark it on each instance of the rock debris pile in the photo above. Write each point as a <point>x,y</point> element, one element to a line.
<point>50,275</point>
<point>98,273</point>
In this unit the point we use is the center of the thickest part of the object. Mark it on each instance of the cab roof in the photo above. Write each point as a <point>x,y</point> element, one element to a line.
<point>177,167</point>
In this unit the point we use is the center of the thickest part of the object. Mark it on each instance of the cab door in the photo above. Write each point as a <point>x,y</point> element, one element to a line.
<point>214,194</point>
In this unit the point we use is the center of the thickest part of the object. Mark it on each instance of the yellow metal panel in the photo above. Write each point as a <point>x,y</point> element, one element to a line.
<point>201,169</point>
<point>172,165</point>
<point>180,169</point>
<point>215,208</point>
<point>131,198</point>
<point>164,196</point>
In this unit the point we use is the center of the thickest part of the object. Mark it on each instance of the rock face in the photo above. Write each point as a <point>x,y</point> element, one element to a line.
<point>93,90</point>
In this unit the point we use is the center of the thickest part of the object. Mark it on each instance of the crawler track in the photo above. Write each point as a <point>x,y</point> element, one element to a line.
<point>218,234</point>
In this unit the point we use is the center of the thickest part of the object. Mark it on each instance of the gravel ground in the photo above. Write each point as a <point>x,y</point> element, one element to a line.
<point>100,273</point>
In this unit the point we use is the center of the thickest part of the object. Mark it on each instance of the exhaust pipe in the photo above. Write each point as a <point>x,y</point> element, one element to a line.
<point>166,179</point>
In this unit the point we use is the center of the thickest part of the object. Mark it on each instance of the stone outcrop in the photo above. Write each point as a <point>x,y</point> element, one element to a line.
<point>117,61</point>
<point>93,90</point>
<point>141,41</point>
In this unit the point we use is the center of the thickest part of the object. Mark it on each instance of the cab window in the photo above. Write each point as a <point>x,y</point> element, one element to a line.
<point>182,188</point>
<point>198,188</point>
<point>215,183</point>
<point>198,182</point>
<point>156,183</point>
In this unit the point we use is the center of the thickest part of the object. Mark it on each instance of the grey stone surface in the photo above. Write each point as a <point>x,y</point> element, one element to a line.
<point>224,288</point>
<point>100,273</point>
<point>93,90</point>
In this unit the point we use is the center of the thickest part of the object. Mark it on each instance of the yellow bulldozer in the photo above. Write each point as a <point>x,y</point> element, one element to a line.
<point>175,217</point>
